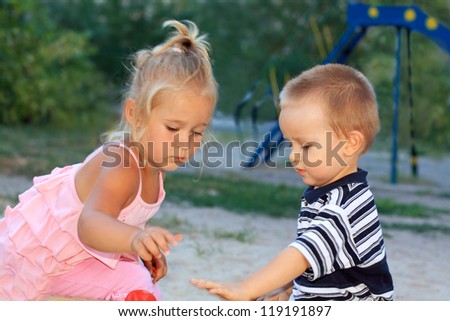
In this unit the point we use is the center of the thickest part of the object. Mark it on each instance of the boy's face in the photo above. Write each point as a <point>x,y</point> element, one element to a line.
<point>317,152</point>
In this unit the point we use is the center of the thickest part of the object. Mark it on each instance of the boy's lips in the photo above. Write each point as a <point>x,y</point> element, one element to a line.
<point>300,172</point>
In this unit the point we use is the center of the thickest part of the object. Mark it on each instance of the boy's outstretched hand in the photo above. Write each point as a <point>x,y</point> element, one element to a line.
<point>227,291</point>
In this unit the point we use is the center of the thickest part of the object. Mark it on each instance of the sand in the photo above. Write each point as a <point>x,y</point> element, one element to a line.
<point>214,248</point>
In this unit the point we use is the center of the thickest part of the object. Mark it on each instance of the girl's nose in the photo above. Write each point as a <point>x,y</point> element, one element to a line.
<point>181,141</point>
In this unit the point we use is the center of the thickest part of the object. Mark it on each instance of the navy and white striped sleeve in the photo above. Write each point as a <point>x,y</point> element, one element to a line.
<point>327,242</point>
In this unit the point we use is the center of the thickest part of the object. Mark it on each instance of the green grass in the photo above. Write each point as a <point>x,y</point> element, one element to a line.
<point>405,179</point>
<point>417,228</point>
<point>233,193</point>
<point>244,195</point>
<point>36,150</point>
<point>244,236</point>
<point>387,206</point>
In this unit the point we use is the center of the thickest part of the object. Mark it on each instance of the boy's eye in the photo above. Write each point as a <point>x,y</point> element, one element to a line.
<point>197,134</point>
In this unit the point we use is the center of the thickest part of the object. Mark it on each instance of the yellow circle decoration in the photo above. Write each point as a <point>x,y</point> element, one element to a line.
<point>431,23</point>
<point>373,12</point>
<point>410,15</point>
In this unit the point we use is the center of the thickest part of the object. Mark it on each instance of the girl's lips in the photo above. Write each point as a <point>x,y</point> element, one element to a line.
<point>300,172</point>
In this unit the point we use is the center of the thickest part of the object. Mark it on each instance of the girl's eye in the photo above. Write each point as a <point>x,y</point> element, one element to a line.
<point>172,129</point>
<point>306,146</point>
<point>197,134</point>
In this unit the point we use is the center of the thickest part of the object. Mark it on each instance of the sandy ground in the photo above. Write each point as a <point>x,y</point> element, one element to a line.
<point>212,248</point>
<point>226,246</point>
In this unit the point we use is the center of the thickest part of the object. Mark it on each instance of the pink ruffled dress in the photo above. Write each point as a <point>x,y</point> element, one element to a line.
<point>39,240</point>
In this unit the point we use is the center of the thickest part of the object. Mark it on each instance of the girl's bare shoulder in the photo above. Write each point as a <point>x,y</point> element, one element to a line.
<point>113,169</point>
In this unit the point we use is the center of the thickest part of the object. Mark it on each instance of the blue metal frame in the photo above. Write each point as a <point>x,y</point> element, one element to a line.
<point>409,17</point>
<point>359,18</point>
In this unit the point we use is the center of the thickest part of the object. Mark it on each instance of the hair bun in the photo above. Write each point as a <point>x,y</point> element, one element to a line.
<point>187,43</point>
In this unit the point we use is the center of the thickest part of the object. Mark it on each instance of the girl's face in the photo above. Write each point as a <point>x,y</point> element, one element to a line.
<point>317,152</point>
<point>175,128</point>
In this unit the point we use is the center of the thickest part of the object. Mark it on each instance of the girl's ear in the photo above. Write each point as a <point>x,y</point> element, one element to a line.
<point>355,142</point>
<point>130,112</point>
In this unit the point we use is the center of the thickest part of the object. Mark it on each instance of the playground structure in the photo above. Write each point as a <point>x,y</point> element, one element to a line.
<point>359,18</point>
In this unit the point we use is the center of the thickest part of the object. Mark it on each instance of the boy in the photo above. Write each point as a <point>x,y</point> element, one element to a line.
<point>330,115</point>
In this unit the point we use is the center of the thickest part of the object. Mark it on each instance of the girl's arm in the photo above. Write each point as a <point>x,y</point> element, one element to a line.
<point>284,268</point>
<point>98,227</point>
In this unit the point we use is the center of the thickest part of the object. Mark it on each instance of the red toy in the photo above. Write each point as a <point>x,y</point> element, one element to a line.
<point>140,295</point>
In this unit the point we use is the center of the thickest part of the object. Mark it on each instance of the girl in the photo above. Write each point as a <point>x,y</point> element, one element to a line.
<point>80,231</point>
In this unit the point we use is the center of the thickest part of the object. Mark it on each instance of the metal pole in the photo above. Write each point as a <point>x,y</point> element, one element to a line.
<point>412,133</point>
<point>394,159</point>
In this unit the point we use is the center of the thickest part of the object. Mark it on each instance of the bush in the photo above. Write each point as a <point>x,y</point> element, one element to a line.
<point>46,73</point>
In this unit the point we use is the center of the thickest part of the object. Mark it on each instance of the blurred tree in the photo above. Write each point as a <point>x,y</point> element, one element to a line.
<point>251,37</point>
<point>117,28</point>
<point>45,73</point>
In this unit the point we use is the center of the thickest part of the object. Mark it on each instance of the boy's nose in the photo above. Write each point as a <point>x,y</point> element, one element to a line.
<point>294,158</point>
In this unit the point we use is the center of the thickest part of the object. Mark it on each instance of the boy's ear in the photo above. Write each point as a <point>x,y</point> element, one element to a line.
<point>355,142</point>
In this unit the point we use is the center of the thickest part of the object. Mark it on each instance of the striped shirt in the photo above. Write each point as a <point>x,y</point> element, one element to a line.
<point>340,235</point>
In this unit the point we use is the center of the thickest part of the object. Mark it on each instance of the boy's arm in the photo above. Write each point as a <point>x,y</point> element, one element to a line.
<point>280,294</point>
<point>284,268</point>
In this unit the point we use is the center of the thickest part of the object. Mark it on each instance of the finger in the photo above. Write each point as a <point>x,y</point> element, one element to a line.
<point>143,253</point>
<point>160,240</point>
<point>223,293</point>
<point>152,248</point>
<point>163,238</point>
<point>204,284</point>
<point>154,275</point>
<point>171,238</point>
<point>178,238</point>
<point>158,275</point>
<point>159,270</point>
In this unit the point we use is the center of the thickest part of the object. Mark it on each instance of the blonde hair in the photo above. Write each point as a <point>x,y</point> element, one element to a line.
<point>346,95</point>
<point>181,62</point>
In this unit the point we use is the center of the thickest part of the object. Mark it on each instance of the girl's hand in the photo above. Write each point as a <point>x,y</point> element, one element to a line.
<point>157,268</point>
<point>227,291</point>
<point>150,242</point>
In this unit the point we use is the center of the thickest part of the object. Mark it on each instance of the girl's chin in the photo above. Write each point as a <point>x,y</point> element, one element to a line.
<point>168,164</point>
<point>173,165</point>
<point>170,168</point>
